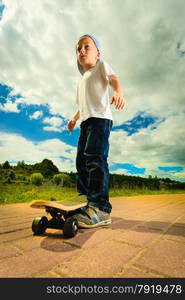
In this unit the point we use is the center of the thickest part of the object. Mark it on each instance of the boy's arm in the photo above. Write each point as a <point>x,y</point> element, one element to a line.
<point>76,116</point>
<point>117,97</point>
<point>73,121</point>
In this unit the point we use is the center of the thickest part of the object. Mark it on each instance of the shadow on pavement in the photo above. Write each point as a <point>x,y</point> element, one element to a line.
<point>56,242</point>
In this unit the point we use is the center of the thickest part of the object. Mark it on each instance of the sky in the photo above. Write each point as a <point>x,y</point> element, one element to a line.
<point>144,43</point>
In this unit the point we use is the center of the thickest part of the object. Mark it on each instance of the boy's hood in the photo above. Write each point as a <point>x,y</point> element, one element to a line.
<point>97,43</point>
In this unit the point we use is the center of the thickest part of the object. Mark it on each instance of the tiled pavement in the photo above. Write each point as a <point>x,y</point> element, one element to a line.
<point>145,239</point>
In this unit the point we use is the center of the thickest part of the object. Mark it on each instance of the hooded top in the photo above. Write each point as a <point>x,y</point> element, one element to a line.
<point>97,43</point>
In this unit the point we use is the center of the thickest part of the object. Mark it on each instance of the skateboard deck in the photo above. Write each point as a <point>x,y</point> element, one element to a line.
<point>55,204</point>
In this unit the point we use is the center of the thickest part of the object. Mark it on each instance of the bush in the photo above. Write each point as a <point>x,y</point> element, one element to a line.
<point>7,176</point>
<point>57,179</point>
<point>62,179</point>
<point>12,175</point>
<point>8,180</point>
<point>36,178</point>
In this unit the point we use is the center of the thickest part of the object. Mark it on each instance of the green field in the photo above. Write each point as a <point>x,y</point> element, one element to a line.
<point>17,193</point>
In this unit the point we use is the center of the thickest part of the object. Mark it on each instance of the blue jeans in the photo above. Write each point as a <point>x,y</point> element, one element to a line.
<point>91,162</point>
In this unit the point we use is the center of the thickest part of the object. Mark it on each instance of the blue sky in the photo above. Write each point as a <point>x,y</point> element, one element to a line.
<point>39,77</point>
<point>1,9</point>
<point>24,123</point>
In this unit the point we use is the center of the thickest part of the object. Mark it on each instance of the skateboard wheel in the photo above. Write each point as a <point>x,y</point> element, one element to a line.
<point>70,228</point>
<point>39,225</point>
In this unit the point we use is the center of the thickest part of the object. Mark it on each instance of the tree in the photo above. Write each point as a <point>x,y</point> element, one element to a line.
<point>21,164</point>
<point>6,165</point>
<point>47,168</point>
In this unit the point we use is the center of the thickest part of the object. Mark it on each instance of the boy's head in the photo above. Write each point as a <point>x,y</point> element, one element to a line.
<point>88,52</point>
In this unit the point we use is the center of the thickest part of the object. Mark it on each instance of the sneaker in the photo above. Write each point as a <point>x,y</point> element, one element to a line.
<point>91,217</point>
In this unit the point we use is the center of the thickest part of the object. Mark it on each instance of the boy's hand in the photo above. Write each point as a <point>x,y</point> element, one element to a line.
<point>118,100</point>
<point>71,125</point>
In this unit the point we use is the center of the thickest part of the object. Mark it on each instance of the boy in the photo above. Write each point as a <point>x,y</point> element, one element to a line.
<point>96,123</point>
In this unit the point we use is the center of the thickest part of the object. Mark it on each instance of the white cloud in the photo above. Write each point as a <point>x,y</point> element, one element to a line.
<point>139,40</point>
<point>56,124</point>
<point>41,64</point>
<point>52,128</point>
<point>36,115</point>
<point>9,106</point>
<point>119,171</point>
<point>140,45</point>
<point>149,149</point>
<point>28,151</point>
<point>179,175</point>
<point>55,121</point>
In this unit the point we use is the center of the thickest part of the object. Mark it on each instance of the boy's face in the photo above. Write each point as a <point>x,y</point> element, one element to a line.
<point>87,53</point>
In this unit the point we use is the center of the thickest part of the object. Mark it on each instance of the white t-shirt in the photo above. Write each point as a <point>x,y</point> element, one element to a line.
<point>93,94</point>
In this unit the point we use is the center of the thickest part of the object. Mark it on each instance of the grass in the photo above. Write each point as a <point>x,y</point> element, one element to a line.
<point>19,193</point>
<point>137,192</point>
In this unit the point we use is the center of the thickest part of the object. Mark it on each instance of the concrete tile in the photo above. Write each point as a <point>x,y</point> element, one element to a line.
<point>137,222</point>
<point>165,257</point>
<point>103,261</point>
<point>176,232</point>
<point>7,250</point>
<point>35,261</point>
<point>91,238</point>
<point>124,223</point>
<point>136,273</point>
<point>139,238</point>
<point>15,235</point>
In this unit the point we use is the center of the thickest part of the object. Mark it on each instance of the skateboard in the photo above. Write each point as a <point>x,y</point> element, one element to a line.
<point>61,217</point>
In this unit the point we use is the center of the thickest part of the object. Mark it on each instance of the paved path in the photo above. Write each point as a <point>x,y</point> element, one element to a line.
<point>145,239</point>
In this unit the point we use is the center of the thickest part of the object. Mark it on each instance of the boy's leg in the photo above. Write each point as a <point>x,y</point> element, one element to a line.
<point>93,173</point>
<point>96,153</point>
<point>82,172</point>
